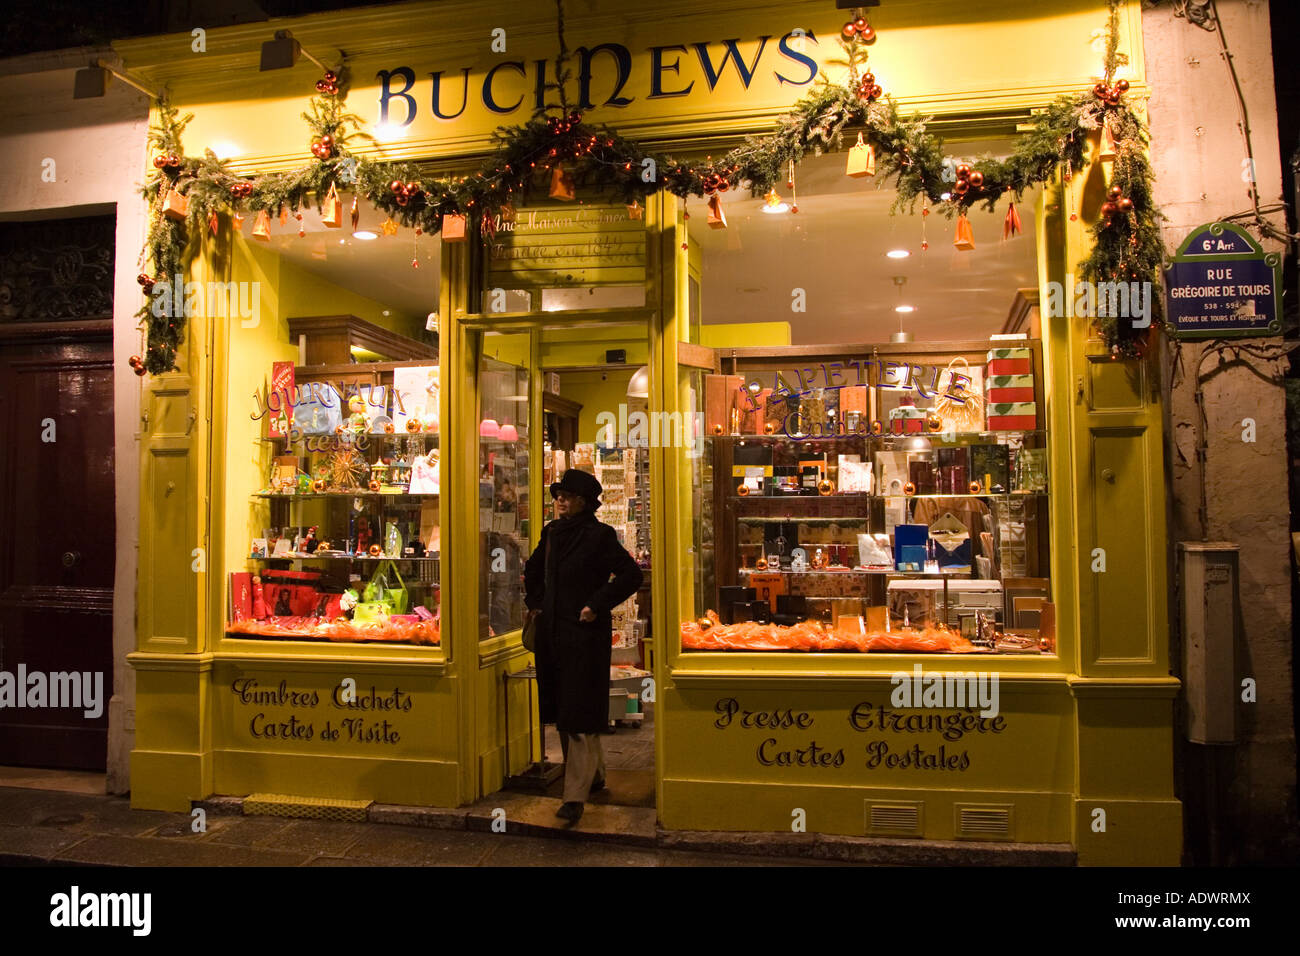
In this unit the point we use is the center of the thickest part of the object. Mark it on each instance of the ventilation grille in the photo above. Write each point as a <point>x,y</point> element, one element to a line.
<point>984,822</point>
<point>894,819</point>
<point>310,808</point>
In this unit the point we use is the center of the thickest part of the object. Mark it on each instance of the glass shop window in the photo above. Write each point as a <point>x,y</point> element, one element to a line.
<point>890,493</point>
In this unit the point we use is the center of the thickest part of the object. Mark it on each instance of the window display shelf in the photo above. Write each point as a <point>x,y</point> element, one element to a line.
<point>957,437</point>
<point>890,572</point>
<point>340,495</point>
<point>341,557</point>
<point>865,498</point>
<point>369,436</point>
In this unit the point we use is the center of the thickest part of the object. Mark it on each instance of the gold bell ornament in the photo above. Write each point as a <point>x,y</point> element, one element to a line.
<point>717,218</point>
<point>965,239</point>
<point>262,226</point>
<point>332,209</point>
<point>562,184</point>
<point>862,159</point>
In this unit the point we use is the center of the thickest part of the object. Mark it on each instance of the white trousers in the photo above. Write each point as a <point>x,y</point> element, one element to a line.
<point>584,761</point>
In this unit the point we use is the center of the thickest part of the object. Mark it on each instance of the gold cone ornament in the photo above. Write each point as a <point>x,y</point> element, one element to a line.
<point>332,209</point>
<point>1107,150</point>
<point>965,239</point>
<point>862,159</point>
<point>717,218</point>
<point>262,226</point>
<point>562,184</point>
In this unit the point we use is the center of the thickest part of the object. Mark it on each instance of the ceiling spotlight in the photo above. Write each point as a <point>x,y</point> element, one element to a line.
<point>898,253</point>
<point>904,308</point>
<point>365,234</point>
<point>772,203</point>
<point>946,196</point>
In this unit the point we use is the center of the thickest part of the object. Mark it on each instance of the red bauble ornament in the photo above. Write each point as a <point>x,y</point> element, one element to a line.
<point>1122,86</point>
<point>1114,193</point>
<point>159,161</point>
<point>849,30</point>
<point>145,280</point>
<point>395,186</point>
<point>960,187</point>
<point>860,24</point>
<point>924,245</point>
<point>1125,204</point>
<point>1108,209</point>
<point>867,34</point>
<point>976,178</point>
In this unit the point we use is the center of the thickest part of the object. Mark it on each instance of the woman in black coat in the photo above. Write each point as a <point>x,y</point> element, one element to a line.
<point>578,573</point>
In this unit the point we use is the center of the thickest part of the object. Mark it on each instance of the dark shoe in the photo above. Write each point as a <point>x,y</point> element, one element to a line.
<point>571,811</point>
<point>598,784</point>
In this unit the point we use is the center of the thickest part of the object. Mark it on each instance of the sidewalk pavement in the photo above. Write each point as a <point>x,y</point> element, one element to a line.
<point>42,827</point>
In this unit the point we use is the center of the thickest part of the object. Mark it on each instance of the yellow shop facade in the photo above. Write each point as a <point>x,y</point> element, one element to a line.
<point>471,371</point>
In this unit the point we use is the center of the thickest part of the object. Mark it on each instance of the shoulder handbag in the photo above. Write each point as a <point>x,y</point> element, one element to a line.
<point>529,636</point>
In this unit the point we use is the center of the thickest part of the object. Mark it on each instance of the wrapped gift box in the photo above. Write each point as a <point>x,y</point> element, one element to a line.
<point>1010,361</point>
<point>999,389</point>
<point>1013,416</point>
<point>906,419</point>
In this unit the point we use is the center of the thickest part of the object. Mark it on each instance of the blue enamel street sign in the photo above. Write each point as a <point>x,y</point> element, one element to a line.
<point>1222,284</point>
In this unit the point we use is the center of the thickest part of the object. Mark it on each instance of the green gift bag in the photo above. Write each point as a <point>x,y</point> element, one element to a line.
<point>380,593</point>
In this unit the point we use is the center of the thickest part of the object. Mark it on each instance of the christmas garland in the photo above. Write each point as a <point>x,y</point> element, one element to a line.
<point>185,193</point>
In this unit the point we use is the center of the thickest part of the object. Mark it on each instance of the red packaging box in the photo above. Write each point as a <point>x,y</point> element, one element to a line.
<point>1016,366</point>
<point>996,396</point>
<point>1012,423</point>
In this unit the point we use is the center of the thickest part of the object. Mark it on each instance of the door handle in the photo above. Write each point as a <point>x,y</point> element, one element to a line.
<point>71,559</point>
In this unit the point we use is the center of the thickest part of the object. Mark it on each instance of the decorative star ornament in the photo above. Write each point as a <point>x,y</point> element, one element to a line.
<point>389,228</point>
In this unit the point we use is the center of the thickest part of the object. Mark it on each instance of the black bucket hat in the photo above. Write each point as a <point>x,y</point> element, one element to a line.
<point>577,482</point>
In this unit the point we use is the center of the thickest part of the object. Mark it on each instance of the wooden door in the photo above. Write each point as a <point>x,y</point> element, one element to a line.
<point>56,542</point>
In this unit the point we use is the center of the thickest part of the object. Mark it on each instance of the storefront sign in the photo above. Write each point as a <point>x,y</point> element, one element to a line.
<point>607,74</point>
<point>1222,284</point>
<point>896,743</point>
<point>891,376</point>
<point>368,716</point>
<point>567,245</point>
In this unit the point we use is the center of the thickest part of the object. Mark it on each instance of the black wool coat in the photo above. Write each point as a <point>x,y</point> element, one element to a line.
<point>587,567</point>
